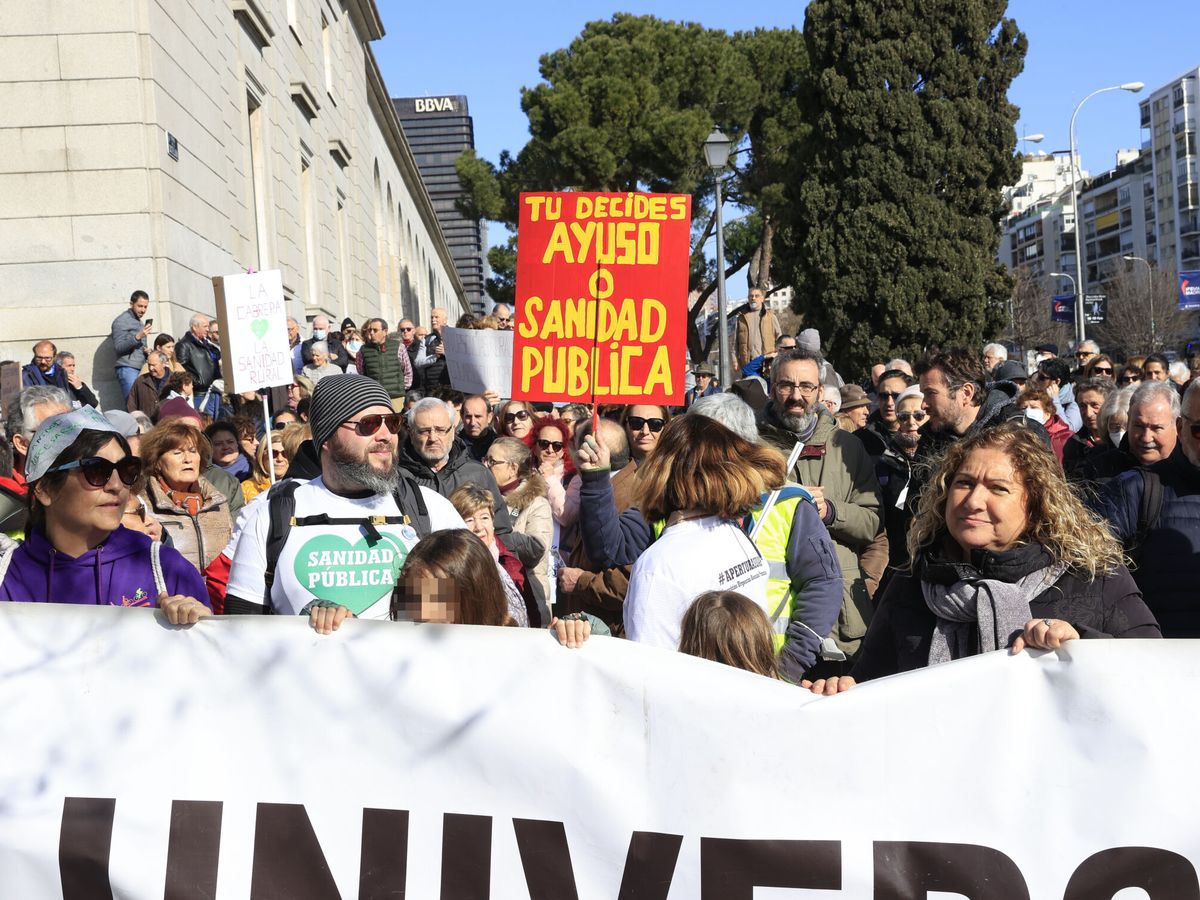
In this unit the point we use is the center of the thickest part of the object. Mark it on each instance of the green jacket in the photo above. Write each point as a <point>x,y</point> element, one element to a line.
<point>838,463</point>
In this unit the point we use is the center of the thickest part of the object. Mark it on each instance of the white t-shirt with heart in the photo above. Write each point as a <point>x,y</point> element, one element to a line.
<point>331,562</point>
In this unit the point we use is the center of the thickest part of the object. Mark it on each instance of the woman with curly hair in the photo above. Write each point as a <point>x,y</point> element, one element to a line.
<point>1002,554</point>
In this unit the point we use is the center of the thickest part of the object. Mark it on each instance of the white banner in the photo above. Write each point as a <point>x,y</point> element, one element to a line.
<point>249,757</point>
<point>479,360</point>
<point>254,342</point>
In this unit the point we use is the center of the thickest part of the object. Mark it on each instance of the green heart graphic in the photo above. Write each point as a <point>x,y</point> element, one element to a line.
<point>355,576</point>
<point>260,327</point>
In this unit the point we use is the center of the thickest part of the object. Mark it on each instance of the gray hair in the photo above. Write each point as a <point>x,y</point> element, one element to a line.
<point>913,390</point>
<point>428,403</point>
<point>1115,403</point>
<point>833,397</point>
<point>321,347</point>
<point>731,411</point>
<point>1149,391</point>
<point>899,363</point>
<point>143,421</point>
<point>795,354</point>
<point>20,410</point>
<point>198,319</point>
<point>997,350</point>
<point>63,355</point>
<point>166,360</point>
<point>1192,390</point>
<point>1178,369</point>
<point>1087,346</point>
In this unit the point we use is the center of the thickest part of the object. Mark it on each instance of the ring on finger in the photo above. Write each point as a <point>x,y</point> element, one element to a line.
<point>1048,622</point>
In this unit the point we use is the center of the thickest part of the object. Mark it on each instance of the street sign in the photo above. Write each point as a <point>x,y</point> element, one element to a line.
<point>1095,309</point>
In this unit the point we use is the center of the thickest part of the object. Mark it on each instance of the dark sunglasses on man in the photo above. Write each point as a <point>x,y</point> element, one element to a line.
<point>369,425</point>
<point>636,423</point>
<point>97,470</point>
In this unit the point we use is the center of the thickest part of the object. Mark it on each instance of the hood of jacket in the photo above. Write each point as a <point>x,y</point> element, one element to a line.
<point>526,492</point>
<point>117,572</point>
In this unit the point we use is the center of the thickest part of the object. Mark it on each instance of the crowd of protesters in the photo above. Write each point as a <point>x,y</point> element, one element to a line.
<point>799,526</point>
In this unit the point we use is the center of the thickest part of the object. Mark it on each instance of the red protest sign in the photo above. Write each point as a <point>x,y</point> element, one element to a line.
<point>601,297</point>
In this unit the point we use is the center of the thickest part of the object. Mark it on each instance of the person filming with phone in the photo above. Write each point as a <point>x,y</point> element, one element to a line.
<point>130,331</point>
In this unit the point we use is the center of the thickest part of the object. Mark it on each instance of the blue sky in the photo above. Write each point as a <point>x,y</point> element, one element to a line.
<point>489,52</point>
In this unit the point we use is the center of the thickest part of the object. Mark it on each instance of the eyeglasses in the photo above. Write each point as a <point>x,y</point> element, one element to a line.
<point>439,430</point>
<point>369,425</point>
<point>97,470</point>
<point>917,416</point>
<point>491,462</point>
<point>1083,355</point>
<point>637,423</point>
<point>519,416</point>
<point>1129,379</point>
<point>1102,370</point>
<point>278,451</point>
<point>788,387</point>
<point>558,445</point>
<point>402,329</point>
<point>504,320</point>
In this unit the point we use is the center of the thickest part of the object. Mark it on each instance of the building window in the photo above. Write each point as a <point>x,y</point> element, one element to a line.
<point>343,254</point>
<point>327,53</point>
<point>312,263</point>
<point>257,183</point>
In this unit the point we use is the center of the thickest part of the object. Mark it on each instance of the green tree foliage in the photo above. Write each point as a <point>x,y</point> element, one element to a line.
<point>895,207</point>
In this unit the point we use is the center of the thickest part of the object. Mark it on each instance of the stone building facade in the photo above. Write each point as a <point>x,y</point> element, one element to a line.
<point>153,144</point>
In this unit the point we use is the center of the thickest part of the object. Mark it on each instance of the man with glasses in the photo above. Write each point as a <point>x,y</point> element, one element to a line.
<point>1155,513</point>
<point>413,346</point>
<point>350,529</point>
<point>435,458</point>
<point>892,467</point>
<point>836,469</point>
<point>1084,354</point>
<point>388,364</point>
<point>1129,374</point>
<point>504,315</point>
<point>42,370</point>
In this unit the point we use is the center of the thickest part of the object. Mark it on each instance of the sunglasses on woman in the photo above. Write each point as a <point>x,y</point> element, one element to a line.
<point>550,445</point>
<point>1128,379</point>
<point>1103,370</point>
<point>917,416</point>
<point>519,416</point>
<point>636,423</point>
<point>369,425</point>
<point>97,470</point>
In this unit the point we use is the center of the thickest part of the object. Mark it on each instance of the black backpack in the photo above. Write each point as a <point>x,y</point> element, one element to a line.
<point>281,500</point>
<point>1148,511</point>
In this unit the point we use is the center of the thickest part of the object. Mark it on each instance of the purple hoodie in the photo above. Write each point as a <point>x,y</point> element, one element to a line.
<point>117,573</point>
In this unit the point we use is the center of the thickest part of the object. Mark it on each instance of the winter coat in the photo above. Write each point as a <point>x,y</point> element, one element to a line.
<point>838,462</point>
<point>1077,449</point>
<point>530,509</point>
<point>1168,557</point>
<point>1060,432</point>
<point>202,537</point>
<point>32,376</point>
<point>388,364</point>
<point>337,352</point>
<point>201,360</point>
<point>431,371</point>
<point>769,331</point>
<point>130,350</point>
<point>902,629</point>
<point>116,573</point>
<point>461,469</point>
<point>145,393</point>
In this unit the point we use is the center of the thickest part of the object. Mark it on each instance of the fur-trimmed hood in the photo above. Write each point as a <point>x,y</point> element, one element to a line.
<point>526,492</point>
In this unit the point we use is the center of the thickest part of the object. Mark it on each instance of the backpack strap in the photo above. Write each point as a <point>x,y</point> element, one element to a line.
<point>411,503</point>
<point>281,504</point>
<point>1150,507</point>
<point>160,583</point>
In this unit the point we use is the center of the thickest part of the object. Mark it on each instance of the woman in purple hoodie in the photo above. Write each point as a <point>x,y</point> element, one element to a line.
<point>80,470</point>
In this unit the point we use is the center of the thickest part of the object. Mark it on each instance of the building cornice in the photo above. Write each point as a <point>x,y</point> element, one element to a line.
<point>365,16</point>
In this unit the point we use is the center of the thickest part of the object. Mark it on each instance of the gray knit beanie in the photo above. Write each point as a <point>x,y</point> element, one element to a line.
<point>336,398</point>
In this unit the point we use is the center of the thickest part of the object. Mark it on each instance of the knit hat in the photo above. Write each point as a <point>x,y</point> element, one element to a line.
<point>56,434</point>
<point>177,408</point>
<point>809,339</point>
<point>348,323</point>
<point>338,397</point>
<point>853,397</point>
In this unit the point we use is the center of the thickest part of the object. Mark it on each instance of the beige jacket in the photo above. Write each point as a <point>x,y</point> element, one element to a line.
<point>202,538</point>
<point>530,509</point>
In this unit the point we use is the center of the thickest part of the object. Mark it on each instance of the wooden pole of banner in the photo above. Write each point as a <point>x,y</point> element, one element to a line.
<point>595,355</point>
<point>267,421</point>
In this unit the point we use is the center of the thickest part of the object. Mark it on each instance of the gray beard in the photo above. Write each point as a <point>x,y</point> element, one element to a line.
<point>363,474</point>
<point>799,424</point>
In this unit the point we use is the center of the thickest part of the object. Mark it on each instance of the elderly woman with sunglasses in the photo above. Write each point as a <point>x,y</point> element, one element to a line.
<point>80,470</point>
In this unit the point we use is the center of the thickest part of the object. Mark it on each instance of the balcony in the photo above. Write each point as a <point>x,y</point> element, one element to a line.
<point>1189,224</point>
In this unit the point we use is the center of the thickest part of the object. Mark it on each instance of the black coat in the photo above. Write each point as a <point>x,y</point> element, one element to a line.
<point>199,361</point>
<point>337,352</point>
<point>902,628</point>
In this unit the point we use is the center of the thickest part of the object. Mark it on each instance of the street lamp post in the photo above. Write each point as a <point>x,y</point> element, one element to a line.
<point>716,154</point>
<point>1133,87</point>
<point>1149,292</point>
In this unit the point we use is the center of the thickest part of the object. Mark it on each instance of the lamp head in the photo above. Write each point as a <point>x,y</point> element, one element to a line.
<point>716,150</point>
<point>1132,86</point>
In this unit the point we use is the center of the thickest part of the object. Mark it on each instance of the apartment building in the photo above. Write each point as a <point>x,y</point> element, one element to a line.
<point>1168,117</point>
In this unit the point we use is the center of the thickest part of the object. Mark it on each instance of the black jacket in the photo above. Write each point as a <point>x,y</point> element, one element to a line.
<point>902,628</point>
<point>337,352</point>
<point>199,362</point>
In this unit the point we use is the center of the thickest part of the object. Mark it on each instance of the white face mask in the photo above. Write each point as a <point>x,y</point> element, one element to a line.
<point>1035,413</point>
<point>320,334</point>
<point>1115,437</point>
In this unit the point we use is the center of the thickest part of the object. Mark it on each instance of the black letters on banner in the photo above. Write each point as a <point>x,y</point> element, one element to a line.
<point>909,870</point>
<point>546,859</point>
<point>383,860</point>
<point>288,860</point>
<point>650,865</point>
<point>84,845</point>
<point>1163,875</point>
<point>466,857</point>
<point>193,850</point>
<point>732,869</point>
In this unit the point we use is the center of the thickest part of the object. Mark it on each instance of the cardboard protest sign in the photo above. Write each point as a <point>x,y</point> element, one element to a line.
<point>601,297</point>
<point>479,360</point>
<point>254,342</point>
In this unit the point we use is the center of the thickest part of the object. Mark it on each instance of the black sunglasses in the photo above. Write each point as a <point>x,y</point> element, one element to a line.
<point>550,445</point>
<point>635,423</point>
<point>1103,370</point>
<point>917,416</point>
<point>368,425</point>
<point>1128,379</point>
<point>888,395</point>
<point>97,470</point>
<point>520,415</point>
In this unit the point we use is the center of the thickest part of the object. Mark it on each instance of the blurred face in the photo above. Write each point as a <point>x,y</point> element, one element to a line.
<point>214,331</point>
<point>438,318</point>
<point>284,418</point>
<point>139,306</point>
<point>225,448</point>
<point>82,509</point>
<point>279,460</point>
<point>986,503</point>
<point>168,348</point>
<point>481,525</point>
<point>1089,409</point>
<point>200,329</point>
<point>640,424</point>
<point>909,419</point>
<point>796,393</point>
<point>949,410</point>
<point>1085,354</point>
<point>1151,431</point>
<point>550,444</point>
<point>249,444</point>
<point>43,357</point>
<point>889,390</point>
<point>180,468</point>
<point>319,359</point>
<point>293,331</point>
<point>991,359</point>
<point>1189,430</point>
<point>755,299</point>
<point>320,323</point>
<point>155,366</point>
<point>431,434</point>
<point>503,314</point>
<point>518,420</point>
<point>425,598</point>
<point>407,330</point>
<point>703,381</point>
<point>68,365</point>
<point>476,417</point>
<point>1154,371</point>
<point>503,471</point>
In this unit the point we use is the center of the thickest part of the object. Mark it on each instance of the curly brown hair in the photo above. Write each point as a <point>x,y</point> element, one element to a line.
<point>1056,518</point>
